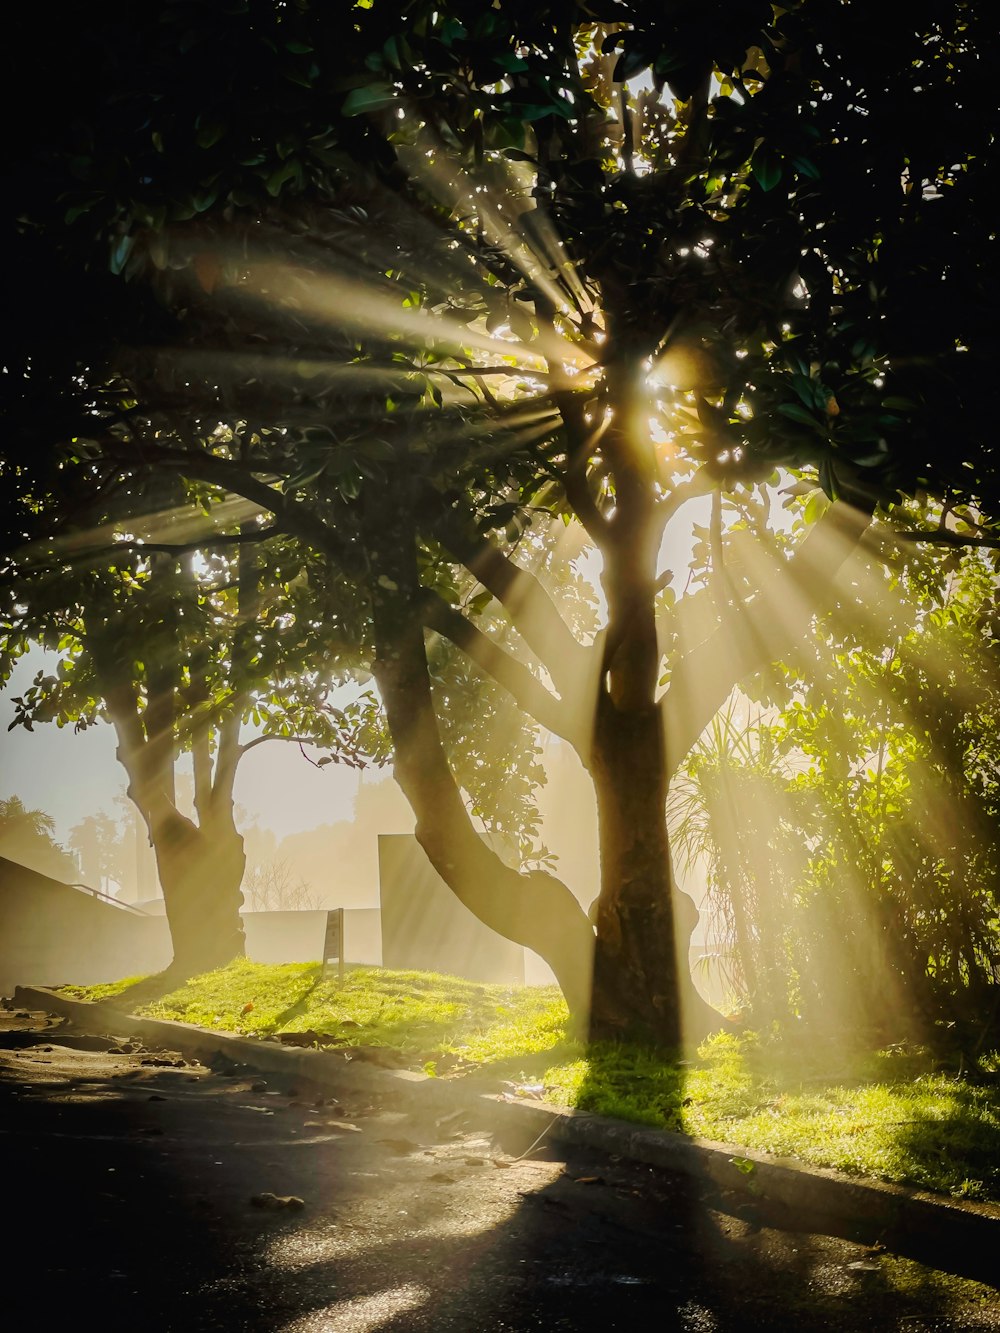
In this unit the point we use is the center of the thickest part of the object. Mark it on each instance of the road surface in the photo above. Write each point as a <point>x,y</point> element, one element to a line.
<point>147,1194</point>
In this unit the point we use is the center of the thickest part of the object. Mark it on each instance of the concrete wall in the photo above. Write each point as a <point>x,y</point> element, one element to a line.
<point>52,933</point>
<point>426,928</point>
<point>297,937</point>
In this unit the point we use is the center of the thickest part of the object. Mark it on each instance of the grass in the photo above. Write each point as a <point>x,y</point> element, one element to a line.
<point>886,1114</point>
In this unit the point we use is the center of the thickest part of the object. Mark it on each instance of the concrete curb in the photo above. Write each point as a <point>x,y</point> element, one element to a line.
<point>957,1237</point>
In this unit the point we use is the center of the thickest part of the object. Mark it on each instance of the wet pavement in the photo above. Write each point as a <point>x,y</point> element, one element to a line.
<point>146,1192</point>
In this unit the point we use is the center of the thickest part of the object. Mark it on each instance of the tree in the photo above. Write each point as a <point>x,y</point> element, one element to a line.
<point>851,831</point>
<point>454,269</point>
<point>28,836</point>
<point>96,840</point>
<point>270,887</point>
<point>903,864</point>
<point>178,649</point>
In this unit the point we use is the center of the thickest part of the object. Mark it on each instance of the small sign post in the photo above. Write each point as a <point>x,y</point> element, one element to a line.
<point>333,945</point>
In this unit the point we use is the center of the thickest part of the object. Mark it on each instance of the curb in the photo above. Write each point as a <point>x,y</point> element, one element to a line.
<point>962,1238</point>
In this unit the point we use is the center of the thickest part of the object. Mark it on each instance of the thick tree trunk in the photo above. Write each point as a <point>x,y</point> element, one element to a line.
<point>637,968</point>
<point>642,977</point>
<point>200,865</point>
<point>201,871</point>
<point>643,987</point>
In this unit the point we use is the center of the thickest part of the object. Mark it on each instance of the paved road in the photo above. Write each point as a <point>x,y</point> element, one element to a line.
<point>128,1179</point>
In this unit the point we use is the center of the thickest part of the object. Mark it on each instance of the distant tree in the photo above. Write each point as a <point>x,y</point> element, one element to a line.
<point>179,650</point>
<point>271,886</point>
<point>28,836</point>
<point>100,850</point>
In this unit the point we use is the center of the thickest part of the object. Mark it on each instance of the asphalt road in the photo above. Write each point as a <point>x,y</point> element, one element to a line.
<point>135,1196</point>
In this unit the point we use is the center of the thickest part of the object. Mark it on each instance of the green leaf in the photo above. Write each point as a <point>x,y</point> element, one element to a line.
<point>452,31</point>
<point>806,167</point>
<point>766,166</point>
<point>120,253</point>
<point>796,413</point>
<point>373,97</point>
<point>209,133</point>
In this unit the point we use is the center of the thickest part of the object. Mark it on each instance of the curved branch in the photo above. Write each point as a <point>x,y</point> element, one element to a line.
<point>525,689</point>
<point>535,910</point>
<point>241,479</point>
<point>529,606</point>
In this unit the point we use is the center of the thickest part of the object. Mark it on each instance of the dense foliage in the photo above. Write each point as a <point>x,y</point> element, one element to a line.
<point>852,831</point>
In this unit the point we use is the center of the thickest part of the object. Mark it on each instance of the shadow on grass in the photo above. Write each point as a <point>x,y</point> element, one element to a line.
<point>960,1138</point>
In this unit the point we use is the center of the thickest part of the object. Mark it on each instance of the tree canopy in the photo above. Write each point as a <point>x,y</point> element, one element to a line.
<point>410,280</point>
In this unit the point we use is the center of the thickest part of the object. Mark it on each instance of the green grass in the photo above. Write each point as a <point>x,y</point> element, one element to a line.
<point>886,1114</point>
<point>421,1014</point>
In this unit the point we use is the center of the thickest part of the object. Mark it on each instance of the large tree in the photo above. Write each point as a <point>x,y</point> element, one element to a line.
<point>445,269</point>
<point>178,645</point>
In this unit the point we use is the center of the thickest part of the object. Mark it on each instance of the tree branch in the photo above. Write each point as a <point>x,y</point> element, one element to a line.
<point>536,910</point>
<point>529,606</point>
<point>259,740</point>
<point>241,479</point>
<point>525,689</point>
<point>948,538</point>
<point>186,548</point>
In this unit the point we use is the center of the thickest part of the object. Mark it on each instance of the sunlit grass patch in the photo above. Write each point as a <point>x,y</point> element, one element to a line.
<point>874,1117</point>
<point>622,1081</point>
<point>414,1012</point>
<point>106,991</point>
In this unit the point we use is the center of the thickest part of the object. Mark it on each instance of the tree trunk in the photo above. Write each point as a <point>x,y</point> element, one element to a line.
<point>635,979</point>
<point>200,865</point>
<point>642,976</point>
<point>201,871</point>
